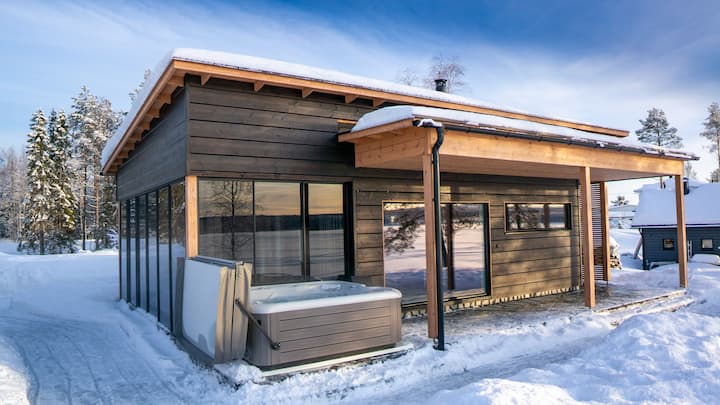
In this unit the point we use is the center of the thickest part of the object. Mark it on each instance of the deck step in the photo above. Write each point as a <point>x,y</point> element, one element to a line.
<point>644,301</point>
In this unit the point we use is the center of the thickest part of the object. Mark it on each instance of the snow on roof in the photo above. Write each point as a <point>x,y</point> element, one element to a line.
<point>657,206</point>
<point>392,114</point>
<point>262,65</point>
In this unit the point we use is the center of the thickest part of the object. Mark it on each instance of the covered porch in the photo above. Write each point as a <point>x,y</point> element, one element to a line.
<point>406,137</point>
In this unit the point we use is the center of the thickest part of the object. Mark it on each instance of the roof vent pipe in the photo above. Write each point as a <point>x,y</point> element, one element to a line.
<point>441,85</point>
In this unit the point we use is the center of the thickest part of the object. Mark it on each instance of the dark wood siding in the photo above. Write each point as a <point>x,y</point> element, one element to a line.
<point>161,155</point>
<point>521,262</point>
<point>653,243</point>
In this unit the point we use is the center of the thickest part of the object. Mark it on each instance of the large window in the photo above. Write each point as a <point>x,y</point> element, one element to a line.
<point>177,235</point>
<point>132,241</point>
<point>142,251</point>
<point>289,231</point>
<point>225,211</point>
<point>464,247</point>
<point>536,217</point>
<point>164,255</point>
<point>122,247</point>
<point>152,253</point>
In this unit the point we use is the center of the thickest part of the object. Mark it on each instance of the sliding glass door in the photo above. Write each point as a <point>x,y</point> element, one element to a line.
<point>464,247</point>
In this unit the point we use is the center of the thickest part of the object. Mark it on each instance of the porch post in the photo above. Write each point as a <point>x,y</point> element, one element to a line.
<point>605,223</point>
<point>681,236</point>
<point>430,274</point>
<point>191,216</point>
<point>586,219</point>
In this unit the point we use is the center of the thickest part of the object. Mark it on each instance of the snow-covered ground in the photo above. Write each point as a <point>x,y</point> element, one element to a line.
<point>64,338</point>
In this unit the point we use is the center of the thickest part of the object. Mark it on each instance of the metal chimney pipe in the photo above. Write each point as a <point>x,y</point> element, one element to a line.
<point>441,85</point>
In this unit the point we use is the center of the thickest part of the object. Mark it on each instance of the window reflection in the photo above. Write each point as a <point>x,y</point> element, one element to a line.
<point>225,210</point>
<point>278,232</point>
<point>152,253</point>
<point>164,253</point>
<point>326,230</point>
<point>133,250</point>
<point>536,217</point>
<point>142,250</point>
<point>122,247</point>
<point>177,234</point>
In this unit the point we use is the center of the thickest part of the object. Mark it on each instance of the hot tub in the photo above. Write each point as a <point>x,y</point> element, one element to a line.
<point>317,320</point>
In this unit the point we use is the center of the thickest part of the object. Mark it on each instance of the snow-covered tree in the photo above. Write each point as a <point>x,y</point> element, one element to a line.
<point>712,129</point>
<point>13,186</point>
<point>689,171</point>
<point>657,131</point>
<point>92,122</point>
<point>714,176</point>
<point>441,67</point>
<point>136,91</point>
<point>63,200</point>
<point>40,187</point>
<point>619,201</point>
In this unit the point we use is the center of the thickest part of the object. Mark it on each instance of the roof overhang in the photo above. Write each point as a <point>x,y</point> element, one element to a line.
<point>479,149</point>
<point>161,88</point>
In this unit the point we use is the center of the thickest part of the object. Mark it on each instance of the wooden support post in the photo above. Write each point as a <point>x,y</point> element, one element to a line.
<point>191,216</point>
<point>430,274</point>
<point>605,223</point>
<point>681,236</point>
<point>587,239</point>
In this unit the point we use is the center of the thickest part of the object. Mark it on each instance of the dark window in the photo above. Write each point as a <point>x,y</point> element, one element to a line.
<point>142,250</point>
<point>122,245</point>
<point>278,232</point>
<point>706,244</point>
<point>225,211</point>
<point>668,244</point>
<point>164,255</point>
<point>152,253</point>
<point>326,230</point>
<point>132,242</point>
<point>536,216</point>
<point>464,246</point>
<point>177,234</point>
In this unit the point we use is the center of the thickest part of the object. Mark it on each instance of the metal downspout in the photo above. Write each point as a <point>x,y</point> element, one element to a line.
<point>438,236</point>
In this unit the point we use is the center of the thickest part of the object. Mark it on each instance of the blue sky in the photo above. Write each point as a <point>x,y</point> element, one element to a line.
<point>604,62</point>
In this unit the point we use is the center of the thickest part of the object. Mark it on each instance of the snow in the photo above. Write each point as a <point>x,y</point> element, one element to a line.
<point>392,114</point>
<point>262,65</point>
<point>706,258</point>
<point>657,206</point>
<point>65,338</point>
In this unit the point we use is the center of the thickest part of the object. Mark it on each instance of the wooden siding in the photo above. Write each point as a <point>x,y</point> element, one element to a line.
<point>521,262</point>
<point>653,243</point>
<point>160,155</point>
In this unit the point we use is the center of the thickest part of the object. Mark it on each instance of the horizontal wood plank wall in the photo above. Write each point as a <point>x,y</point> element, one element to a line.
<point>521,262</point>
<point>159,158</point>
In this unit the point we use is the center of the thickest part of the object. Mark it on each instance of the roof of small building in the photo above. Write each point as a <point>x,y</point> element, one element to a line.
<point>657,206</point>
<point>211,61</point>
<point>388,115</point>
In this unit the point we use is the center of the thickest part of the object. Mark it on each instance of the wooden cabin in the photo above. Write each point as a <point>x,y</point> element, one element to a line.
<point>314,174</point>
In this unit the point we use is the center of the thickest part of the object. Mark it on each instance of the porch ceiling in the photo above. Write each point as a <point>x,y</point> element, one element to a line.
<point>401,145</point>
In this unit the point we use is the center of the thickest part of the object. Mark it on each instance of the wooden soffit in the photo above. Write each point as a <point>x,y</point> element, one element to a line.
<point>399,146</point>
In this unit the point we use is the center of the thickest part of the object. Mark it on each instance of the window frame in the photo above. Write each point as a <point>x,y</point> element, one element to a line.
<point>546,206</point>
<point>668,244</point>
<point>702,244</point>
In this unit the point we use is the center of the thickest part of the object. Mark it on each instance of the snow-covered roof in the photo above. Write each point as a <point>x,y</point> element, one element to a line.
<point>393,114</point>
<point>657,206</point>
<point>291,70</point>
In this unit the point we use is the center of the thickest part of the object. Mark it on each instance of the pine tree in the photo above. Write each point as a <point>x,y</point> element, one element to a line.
<point>13,186</point>
<point>136,91</point>
<point>40,187</point>
<point>657,131</point>
<point>714,176</point>
<point>712,129</point>
<point>689,171</point>
<point>619,201</point>
<point>63,212</point>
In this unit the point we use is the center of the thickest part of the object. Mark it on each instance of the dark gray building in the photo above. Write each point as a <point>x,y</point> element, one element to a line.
<point>655,217</point>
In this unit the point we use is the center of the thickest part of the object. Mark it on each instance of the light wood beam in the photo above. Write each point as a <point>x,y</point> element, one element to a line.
<point>176,81</point>
<point>306,92</point>
<point>377,102</point>
<point>257,86</point>
<point>681,231</point>
<point>204,77</point>
<point>432,290</point>
<point>349,98</point>
<point>191,216</point>
<point>587,240</point>
<point>605,222</point>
